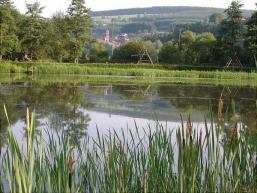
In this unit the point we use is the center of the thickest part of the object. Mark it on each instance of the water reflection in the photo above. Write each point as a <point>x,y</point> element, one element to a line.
<point>77,109</point>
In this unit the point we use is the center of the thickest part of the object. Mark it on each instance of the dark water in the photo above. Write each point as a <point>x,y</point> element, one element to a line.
<point>78,109</point>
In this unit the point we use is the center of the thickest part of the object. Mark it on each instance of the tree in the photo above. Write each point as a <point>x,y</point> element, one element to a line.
<point>251,36</point>
<point>204,46</point>
<point>8,38</point>
<point>216,18</point>
<point>187,41</point>
<point>31,32</point>
<point>171,53</point>
<point>130,52</point>
<point>79,23</point>
<point>231,32</point>
<point>137,28</point>
<point>98,53</point>
<point>152,49</point>
<point>157,45</point>
<point>59,37</point>
<point>188,37</point>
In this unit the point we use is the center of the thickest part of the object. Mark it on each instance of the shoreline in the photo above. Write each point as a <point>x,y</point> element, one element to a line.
<point>80,73</point>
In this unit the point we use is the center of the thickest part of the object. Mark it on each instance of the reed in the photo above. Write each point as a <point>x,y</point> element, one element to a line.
<point>81,79</point>
<point>118,70</point>
<point>140,160</point>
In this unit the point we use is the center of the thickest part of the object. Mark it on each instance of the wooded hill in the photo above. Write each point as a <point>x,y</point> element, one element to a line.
<point>156,19</point>
<point>185,10</point>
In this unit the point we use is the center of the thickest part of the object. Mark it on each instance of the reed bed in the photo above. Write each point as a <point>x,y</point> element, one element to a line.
<point>205,160</point>
<point>75,69</point>
<point>81,79</point>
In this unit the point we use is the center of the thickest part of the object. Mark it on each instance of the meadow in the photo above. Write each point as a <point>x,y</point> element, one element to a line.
<point>129,70</point>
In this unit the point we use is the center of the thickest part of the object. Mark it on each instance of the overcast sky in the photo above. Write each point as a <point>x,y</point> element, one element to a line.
<point>51,6</point>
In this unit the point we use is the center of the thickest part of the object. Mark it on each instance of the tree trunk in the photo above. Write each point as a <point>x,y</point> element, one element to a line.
<point>1,57</point>
<point>76,60</point>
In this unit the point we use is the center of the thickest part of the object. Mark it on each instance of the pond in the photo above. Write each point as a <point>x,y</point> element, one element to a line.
<point>106,134</point>
<point>79,109</point>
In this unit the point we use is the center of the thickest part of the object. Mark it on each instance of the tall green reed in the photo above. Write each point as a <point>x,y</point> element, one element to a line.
<point>139,160</point>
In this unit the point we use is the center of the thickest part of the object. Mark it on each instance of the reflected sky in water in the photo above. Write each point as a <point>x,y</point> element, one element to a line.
<point>78,109</point>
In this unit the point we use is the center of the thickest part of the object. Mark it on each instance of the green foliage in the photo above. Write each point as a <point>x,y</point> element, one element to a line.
<point>192,49</point>
<point>140,70</point>
<point>65,38</point>
<point>79,24</point>
<point>61,38</point>
<point>204,47</point>
<point>58,30</point>
<point>216,18</point>
<point>98,53</point>
<point>231,32</point>
<point>137,28</point>
<point>130,51</point>
<point>188,38</point>
<point>32,31</point>
<point>251,36</point>
<point>187,42</point>
<point>8,39</point>
<point>153,159</point>
<point>171,53</point>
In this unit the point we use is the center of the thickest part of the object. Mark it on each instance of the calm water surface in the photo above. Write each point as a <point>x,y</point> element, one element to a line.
<point>78,109</point>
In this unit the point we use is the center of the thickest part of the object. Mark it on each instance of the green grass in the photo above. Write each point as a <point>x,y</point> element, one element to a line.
<point>148,71</point>
<point>81,79</point>
<point>126,73</point>
<point>151,162</point>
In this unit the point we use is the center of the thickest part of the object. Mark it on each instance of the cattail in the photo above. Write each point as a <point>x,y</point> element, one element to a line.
<point>182,125</point>
<point>234,133</point>
<point>122,167</point>
<point>110,156</point>
<point>71,168</point>
<point>182,121</point>
<point>189,127</point>
<point>220,110</point>
<point>145,182</point>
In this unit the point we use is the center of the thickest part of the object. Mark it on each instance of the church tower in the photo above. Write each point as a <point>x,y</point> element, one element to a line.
<point>107,36</point>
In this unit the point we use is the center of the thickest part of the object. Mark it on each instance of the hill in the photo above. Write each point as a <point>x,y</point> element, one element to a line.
<point>162,10</point>
<point>155,19</point>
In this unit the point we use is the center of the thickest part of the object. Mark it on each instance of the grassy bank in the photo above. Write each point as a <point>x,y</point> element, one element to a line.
<point>137,71</point>
<point>82,79</point>
<point>199,161</point>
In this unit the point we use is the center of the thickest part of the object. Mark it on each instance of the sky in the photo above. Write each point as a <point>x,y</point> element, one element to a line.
<point>52,6</point>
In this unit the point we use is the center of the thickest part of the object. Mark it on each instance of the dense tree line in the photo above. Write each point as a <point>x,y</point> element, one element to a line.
<point>225,39</point>
<point>137,28</point>
<point>153,10</point>
<point>169,26</point>
<point>131,51</point>
<point>190,49</point>
<point>30,36</point>
<point>235,42</point>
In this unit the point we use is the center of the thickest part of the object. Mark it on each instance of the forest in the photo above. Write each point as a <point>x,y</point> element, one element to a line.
<point>160,10</point>
<point>228,38</point>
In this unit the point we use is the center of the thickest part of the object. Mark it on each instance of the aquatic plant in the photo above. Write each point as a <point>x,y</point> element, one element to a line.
<point>146,71</point>
<point>140,160</point>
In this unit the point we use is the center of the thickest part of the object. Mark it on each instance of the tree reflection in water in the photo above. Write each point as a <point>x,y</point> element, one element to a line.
<point>62,107</point>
